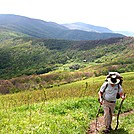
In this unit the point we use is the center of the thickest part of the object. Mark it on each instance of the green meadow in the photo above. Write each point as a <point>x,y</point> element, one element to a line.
<point>64,109</point>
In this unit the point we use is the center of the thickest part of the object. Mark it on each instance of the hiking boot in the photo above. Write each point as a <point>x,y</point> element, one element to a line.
<point>110,128</point>
<point>106,131</point>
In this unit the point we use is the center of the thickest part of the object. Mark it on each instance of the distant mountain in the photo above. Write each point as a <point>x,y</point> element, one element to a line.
<point>31,27</point>
<point>91,28</point>
<point>42,29</point>
<point>126,33</point>
<point>87,27</point>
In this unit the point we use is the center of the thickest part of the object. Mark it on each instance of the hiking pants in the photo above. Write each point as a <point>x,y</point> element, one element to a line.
<point>108,112</point>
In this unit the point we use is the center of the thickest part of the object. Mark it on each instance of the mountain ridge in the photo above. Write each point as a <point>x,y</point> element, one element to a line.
<point>41,29</point>
<point>87,27</point>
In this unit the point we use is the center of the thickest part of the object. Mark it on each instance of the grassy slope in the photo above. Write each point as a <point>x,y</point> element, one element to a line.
<point>7,34</point>
<point>65,109</point>
<point>126,123</point>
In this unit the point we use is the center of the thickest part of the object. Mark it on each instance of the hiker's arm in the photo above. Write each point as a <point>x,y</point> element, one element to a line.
<point>121,92</point>
<point>100,97</point>
<point>101,91</point>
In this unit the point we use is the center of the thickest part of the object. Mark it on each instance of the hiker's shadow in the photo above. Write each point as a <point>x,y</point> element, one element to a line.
<point>119,131</point>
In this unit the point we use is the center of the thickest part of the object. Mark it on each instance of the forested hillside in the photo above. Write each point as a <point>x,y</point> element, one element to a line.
<point>26,56</point>
<point>7,34</point>
<point>66,60</point>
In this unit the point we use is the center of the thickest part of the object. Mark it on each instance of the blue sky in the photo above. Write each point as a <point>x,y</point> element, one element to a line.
<point>116,15</point>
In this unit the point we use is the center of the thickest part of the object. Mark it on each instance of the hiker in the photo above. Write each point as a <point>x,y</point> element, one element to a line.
<point>108,95</point>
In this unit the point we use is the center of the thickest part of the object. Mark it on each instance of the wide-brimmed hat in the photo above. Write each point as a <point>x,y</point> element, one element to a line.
<point>113,79</point>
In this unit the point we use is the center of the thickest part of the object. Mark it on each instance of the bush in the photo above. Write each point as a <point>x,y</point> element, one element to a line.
<point>75,67</point>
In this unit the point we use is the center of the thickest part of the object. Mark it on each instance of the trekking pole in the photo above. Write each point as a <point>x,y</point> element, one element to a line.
<point>97,117</point>
<point>119,113</point>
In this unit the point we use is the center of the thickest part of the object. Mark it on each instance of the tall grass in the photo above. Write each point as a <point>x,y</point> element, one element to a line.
<point>88,87</point>
<point>72,115</point>
<point>66,109</point>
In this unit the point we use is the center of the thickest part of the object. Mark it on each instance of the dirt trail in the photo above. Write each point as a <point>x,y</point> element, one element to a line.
<point>100,123</point>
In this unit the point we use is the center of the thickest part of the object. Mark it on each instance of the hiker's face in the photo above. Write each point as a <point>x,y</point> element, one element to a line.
<point>113,80</point>
<point>112,85</point>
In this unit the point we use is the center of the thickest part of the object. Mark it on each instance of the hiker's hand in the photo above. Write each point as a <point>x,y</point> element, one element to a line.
<point>123,97</point>
<point>101,101</point>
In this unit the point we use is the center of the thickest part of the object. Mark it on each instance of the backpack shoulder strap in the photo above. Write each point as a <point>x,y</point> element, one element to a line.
<point>105,87</point>
<point>118,87</point>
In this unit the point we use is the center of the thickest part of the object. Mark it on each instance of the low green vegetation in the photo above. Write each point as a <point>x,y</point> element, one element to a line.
<point>64,109</point>
<point>126,123</point>
<point>58,116</point>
